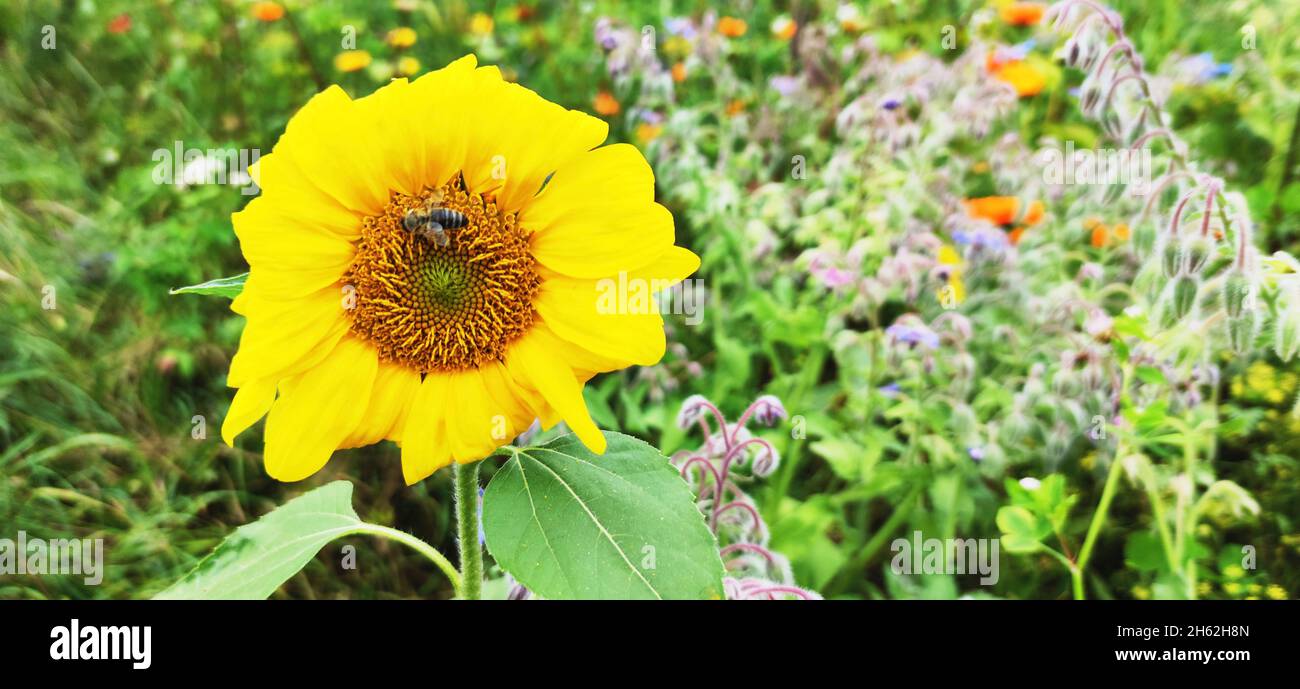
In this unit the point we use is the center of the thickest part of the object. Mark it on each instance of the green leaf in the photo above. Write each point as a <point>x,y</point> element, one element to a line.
<point>222,287</point>
<point>1015,520</point>
<point>257,558</point>
<point>1020,528</point>
<point>1150,375</point>
<point>1143,552</point>
<point>568,523</point>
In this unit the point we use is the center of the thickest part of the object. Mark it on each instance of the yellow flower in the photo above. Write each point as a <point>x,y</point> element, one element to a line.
<point>646,132</point>
<point>351,60</point>
<point>955,291</point>
<point>402,37</point>
<point>1025,78</point>
<point>480,24</point>
<point>449,341</point>
<point>1276,592</point>
<point>408,66</point>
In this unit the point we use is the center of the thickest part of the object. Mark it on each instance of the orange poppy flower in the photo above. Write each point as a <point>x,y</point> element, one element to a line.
<point>1034,214</point>
<point>732,27</point>
<point>999,210</point>
<point>735,107</point>
<point>1100,235</point>
<point>1023,13</point>
<point>267,11</point>
<point>606,104</point>
<point>679,72</point>
<point>120,24</point>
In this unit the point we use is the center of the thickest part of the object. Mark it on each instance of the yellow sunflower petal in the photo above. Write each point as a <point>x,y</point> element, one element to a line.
<point>270,235</point>
<point>597,215</point>
<point>334,142</point>
<point>386,411</point>
<point>423,135</point>
<point>538,358</point>
<point>284,337</point>
<point>425,446</point>
<point>317,409</point>
<point>251,403</point>
<point>478,425</point>
<point>287,187</point>
<point>616,317</point>
<point>520,138</point>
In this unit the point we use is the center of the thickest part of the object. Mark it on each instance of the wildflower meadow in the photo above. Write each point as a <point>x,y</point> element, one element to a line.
<point>802,300</point>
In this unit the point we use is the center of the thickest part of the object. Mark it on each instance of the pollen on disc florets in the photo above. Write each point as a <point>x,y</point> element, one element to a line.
<point>449,307</point>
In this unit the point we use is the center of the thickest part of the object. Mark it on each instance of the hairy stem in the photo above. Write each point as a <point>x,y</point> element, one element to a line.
<point>418,545</point>
<point>471,553</point>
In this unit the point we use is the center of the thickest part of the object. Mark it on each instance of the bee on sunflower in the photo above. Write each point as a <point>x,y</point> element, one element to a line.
<point>360,330</point>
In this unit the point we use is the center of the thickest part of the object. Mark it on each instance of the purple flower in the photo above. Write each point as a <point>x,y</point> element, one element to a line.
<point>768,410</point>
<point>912,336</point>
<point>976,453</point>
<point>692,408</point>
<point>784,84</point>
<point>890,391</point>
<point>680,26</point>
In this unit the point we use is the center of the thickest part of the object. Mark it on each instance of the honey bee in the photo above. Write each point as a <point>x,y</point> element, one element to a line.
<point>431,221</point>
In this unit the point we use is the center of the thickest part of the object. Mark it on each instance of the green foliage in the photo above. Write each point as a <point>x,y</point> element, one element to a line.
<point>99,395</point>
<point>258,558</point>
<point>570,524</point>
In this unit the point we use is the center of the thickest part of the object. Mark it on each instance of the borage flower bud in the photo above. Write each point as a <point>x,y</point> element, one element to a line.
<point>768,410</point>
<point>1144,237</point>
<point>1198,254</point>
<point>692,408</point>
<point>1183,295</point>
<point>1236,292</point>
<point>1171,258</point>
<point>1242,331</point>
<point>1286,325</point>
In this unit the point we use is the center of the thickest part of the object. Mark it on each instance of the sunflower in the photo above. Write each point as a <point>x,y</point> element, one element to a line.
<point>447,341</point>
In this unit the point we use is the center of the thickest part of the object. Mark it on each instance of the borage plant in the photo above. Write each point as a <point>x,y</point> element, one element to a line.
<point>424,268</point>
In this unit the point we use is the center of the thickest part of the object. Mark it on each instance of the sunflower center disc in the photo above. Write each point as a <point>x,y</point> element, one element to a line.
<point>449,307</point>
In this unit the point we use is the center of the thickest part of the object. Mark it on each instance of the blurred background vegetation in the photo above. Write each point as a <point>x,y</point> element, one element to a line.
<point>99,396</point>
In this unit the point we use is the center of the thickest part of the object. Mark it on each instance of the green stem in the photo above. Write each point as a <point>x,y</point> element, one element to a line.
<point>791,455</point>
<point>471,553</point>
<point>1076,572</point>
<point>412,542</point>
<point>1189,525</point>
<point>1098,520</point>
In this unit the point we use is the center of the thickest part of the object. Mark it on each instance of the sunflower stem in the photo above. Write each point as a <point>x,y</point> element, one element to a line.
<point>471,551</point>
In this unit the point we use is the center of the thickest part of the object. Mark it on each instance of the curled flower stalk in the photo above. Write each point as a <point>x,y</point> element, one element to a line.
<point>754,570</point>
